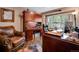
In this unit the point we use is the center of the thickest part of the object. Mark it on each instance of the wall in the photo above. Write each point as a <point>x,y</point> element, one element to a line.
<point>18,22</point>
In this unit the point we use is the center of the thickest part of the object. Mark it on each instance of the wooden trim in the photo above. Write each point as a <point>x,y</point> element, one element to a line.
<point>0,14</point>
<point>55,10</point>
<point>61,12</point>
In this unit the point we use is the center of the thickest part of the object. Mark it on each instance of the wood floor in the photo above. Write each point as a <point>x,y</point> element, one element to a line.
<point>34,45</point>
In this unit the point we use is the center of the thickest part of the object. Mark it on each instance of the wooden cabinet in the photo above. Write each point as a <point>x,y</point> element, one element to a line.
<point>55,44</point>
<point>29,35</point>
<point>63,47</point>
<point>29,16</point>
<point>49,44</point>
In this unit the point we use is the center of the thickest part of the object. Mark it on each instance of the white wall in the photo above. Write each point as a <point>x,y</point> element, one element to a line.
<point>18,23</point>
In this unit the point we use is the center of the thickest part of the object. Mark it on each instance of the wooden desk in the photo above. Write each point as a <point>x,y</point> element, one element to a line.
<point>54,43</point>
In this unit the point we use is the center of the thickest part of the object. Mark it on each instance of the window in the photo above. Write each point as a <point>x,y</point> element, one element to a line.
<point>59,21</point>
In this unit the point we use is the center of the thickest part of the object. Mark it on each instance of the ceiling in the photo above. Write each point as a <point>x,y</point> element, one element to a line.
<point>42,9</point>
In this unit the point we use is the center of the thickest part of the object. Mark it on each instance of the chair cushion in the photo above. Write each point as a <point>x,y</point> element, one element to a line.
<point>16,40</point>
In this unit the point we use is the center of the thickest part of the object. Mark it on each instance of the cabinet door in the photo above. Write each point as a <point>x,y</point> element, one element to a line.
<point>63,47</point>
<point>74,48</point>
<point>53,44</point>
<point>45,45</point>
<point>49,44</point>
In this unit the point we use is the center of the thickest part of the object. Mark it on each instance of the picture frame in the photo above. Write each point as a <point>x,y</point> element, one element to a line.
<point>7,15</point>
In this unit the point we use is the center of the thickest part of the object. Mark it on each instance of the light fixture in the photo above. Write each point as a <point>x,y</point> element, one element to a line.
<point>74,13</point>
<point>31,12</point>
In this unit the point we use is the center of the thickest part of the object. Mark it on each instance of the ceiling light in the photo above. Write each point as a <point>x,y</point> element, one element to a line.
<point>31,12</point>
<point>74,13</point>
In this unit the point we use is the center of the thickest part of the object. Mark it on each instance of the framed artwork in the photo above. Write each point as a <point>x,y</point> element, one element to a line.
<point>7,15</point>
